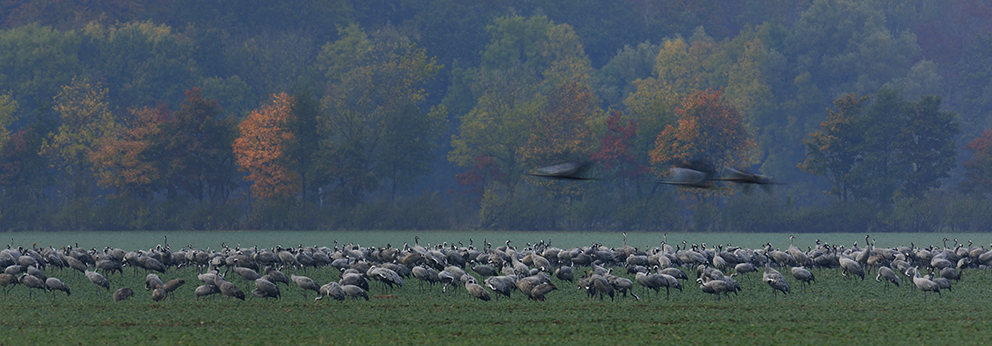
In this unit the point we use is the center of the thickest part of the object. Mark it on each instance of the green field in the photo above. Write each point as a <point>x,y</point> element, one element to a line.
<point>834,310</point>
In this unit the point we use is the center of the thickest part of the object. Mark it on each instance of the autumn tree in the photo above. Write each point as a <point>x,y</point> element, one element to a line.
<point>85,121</point>
<point>128,159</point>
<point>707,129</point>
<point>616,156</point>
<point>261,150</point>
<point>681,68</point>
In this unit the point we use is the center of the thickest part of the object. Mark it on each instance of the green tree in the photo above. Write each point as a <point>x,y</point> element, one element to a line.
<point>891,149</point>
<point>36,61</point>
<point>197,149</point>
<point>515,40</point>
<point>305,148</point>
<point>927,145</point>
<point>375,129</point>
<point>8,107</point>
<point>25,177</point>
<point>615,80</point>
<point>975,85</point>
<point>142,62</point>
<point>978,169</point>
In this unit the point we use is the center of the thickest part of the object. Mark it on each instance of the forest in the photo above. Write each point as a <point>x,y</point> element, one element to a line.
<point>389,114</point>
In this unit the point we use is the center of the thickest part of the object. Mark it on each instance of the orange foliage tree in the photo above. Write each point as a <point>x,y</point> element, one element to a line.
<point>708,128</point>
<point>125,159</point>
<point>261,149</point>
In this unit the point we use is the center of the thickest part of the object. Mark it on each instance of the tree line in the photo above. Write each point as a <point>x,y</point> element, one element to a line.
<point>360,115</point>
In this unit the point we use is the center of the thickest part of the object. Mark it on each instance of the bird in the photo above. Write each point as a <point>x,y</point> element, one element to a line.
<point>265,289</point>
<point>152,280</point>
<point>246,273</point>
<point>597,284</point>
<point>950,273</point>
<point>501,285</point>
<point>889,276</point>
<point>851,266</point>
<point>7,280</point>
<point>205,290</point>
<point>426,274</point>
<point>354,291</point>
<point>31,281</point>
<point>158,294</point>
<point>564,273</point>
<point>98,279</point>
<point>650,281</point>
<point>544,288</point>
<point>744,268</point>
<point>803,275</point>
<point>566,171</point>
<point>275,275</point>
<point>306,283</point>
<point>688,177</point>
<point>173,284</point>
<point>331,289</point>
<point>775,280</point>
<point>122,294</point>
<point>475,290</point>
<point>484,270</point>
<point>230,290</point>
<point>56,284</point>
<point>354,278</point>
<point>942,283</point>
<point>747,179</point>
<point>386,276</point>
<point>922,283</point>
<point>715,287</point>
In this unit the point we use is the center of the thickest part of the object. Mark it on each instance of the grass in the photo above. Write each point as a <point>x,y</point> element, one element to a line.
<point>834,310</point>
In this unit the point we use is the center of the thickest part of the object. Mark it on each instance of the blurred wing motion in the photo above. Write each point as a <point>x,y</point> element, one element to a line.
<point>747,179</point>
<point>567,170</point>
<point>689,177</point>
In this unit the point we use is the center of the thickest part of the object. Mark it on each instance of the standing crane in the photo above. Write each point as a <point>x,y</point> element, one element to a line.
<point>922,283</point>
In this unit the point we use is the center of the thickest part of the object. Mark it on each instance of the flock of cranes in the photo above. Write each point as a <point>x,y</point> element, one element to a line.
<point>487,272</point>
